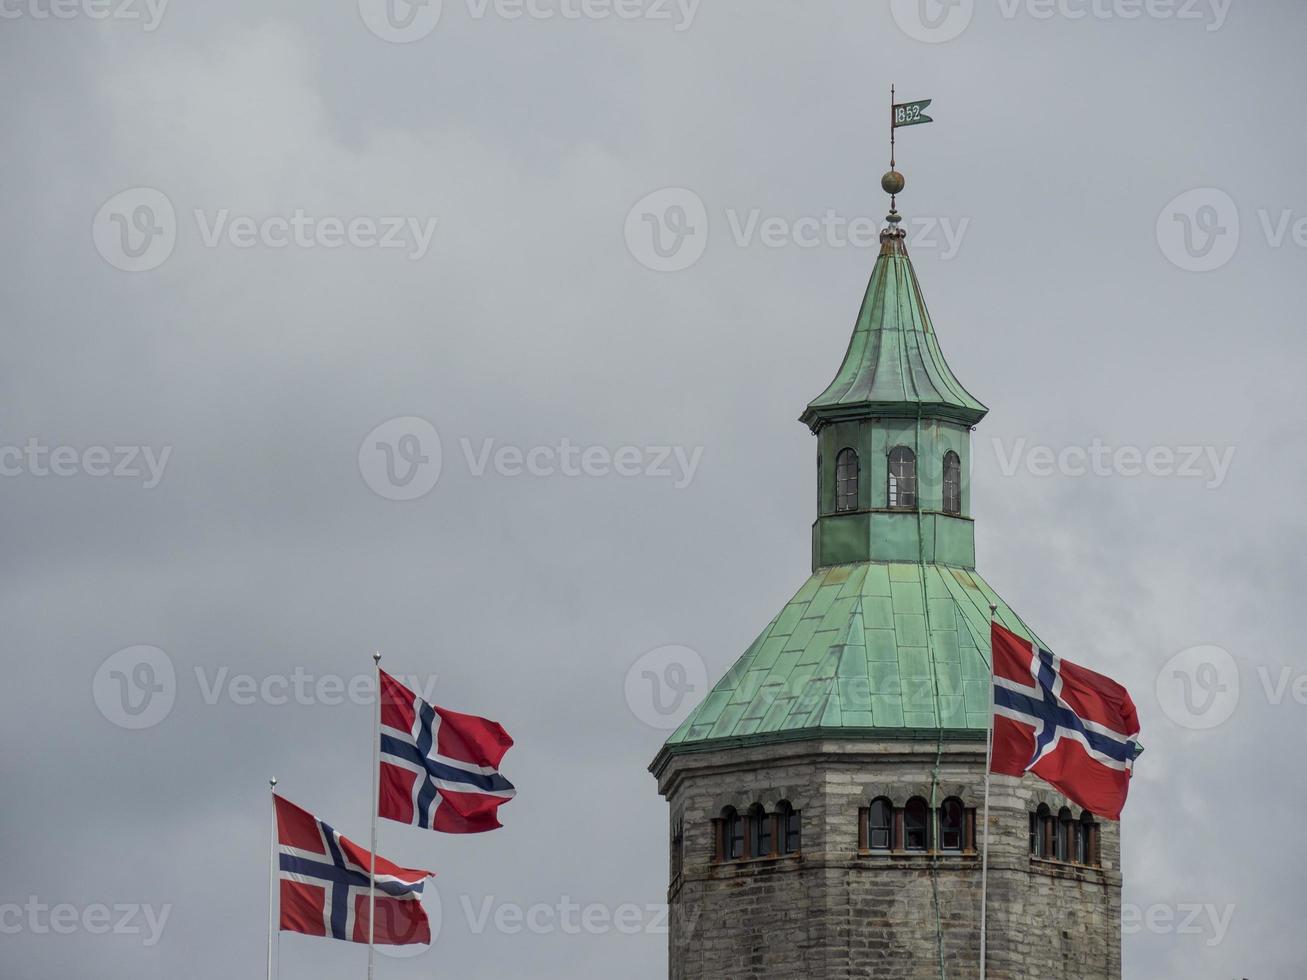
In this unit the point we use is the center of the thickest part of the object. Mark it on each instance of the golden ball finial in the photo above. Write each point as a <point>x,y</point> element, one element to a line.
<point>892,182</point>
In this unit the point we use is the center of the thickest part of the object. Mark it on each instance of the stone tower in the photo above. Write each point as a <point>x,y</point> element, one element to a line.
<point>825,796</point>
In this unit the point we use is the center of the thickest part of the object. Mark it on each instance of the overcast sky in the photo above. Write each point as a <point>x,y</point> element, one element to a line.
<point>202,339</point>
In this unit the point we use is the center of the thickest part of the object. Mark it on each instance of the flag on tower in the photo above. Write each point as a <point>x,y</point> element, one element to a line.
<point>439,768</point>
<point>1072,727</point>
<point>324,885</point>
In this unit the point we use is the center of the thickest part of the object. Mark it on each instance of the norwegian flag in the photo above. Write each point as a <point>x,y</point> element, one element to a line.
<point>1070,726</point>
<point>439,768</point>
<point>324,885</point>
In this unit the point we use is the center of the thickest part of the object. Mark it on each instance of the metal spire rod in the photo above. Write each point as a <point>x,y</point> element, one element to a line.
<point>273,903</point>
<point>989,756</point>
<point>376,764</point>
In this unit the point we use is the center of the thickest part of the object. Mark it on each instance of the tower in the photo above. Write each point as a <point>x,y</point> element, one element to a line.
<point>825,796</point>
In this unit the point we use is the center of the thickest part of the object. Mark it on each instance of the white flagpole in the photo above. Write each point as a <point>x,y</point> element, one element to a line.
<point>989,753</point>
<point>372,805</point>
<point>273,903</point>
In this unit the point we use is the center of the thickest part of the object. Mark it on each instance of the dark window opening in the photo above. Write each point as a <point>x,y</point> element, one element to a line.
<point>902,478</point>
<point>951,825</point>
<point>880,825</point>
<point>1040,845</point>
<point>760,833</point>
<point>1087,840</point>
<point>916,825</point>
<point>678,847</point>
<point>846,481</point>
<point>788,827</point>
<point>952,483</point>
<point>1065,830</point>
<point>733,834</point>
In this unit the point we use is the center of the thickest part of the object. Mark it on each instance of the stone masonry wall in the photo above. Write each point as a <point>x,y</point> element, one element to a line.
<point>833,913</point>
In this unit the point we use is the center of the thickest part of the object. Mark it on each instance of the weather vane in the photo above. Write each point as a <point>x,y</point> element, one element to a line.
<point>900,114</point>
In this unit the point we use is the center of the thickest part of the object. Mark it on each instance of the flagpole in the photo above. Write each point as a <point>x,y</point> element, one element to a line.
<point>372,806</point>
<point>989,755</point>
<point>272,882</point>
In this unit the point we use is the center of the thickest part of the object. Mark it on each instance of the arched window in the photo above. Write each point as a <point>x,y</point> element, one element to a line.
<point>902,478</point>
<point>916,825</point>
<point>732,835</point>
<point>1039,831</point>
<point>787,828</point>
<point>759,832</point>
<point>952,825</point>
<point>1087,840</point>
<point>880,825</point>
<point>952,483</point>
<point>846,481</point>
<point>1065,833</point>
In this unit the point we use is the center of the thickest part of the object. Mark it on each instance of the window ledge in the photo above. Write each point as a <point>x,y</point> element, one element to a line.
<point>1056,866</point>
<point>757,861</point>
<point>916,855</point>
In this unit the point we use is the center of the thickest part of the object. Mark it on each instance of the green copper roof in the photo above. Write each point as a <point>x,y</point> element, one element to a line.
<point>857,647</point>
<point>894,366</point>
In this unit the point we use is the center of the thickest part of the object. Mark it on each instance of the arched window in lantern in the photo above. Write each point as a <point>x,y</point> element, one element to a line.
<point>902,478</point>
<point>952,483</point>
<point>846,481</point>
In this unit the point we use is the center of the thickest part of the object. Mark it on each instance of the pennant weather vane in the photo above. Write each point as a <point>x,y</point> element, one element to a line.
<point>900,114</point>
